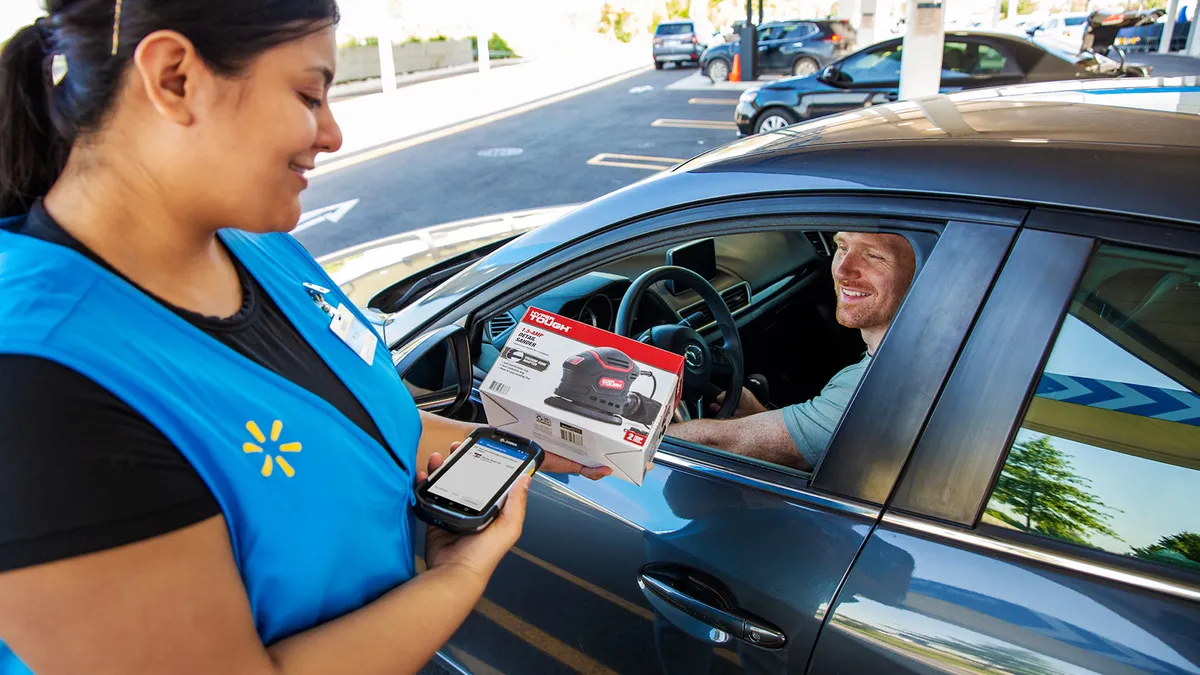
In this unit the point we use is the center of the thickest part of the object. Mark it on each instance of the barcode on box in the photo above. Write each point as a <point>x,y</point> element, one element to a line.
<point>499,387</point>
<point>570,434</point>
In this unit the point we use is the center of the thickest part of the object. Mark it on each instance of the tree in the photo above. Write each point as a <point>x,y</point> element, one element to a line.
<point>1023,7</point>
<point>1047,496</point>
<point>1172,548</point>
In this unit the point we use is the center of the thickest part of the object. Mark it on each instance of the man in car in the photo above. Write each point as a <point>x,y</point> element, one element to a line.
<point>871,276</point>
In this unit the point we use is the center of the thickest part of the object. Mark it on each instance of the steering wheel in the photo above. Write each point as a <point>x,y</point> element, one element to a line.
<point>701,361</point>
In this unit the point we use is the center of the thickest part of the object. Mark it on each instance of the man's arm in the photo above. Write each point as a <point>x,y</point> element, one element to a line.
<point>763,436</point>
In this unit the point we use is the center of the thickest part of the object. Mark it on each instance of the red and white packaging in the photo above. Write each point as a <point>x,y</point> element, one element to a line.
<point>584,393</point>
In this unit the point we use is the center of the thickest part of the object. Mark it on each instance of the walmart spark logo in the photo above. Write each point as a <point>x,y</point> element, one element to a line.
<point>270,460</point>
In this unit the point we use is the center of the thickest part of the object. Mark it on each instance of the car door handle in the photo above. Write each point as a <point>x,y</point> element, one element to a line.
<point>659,583</point>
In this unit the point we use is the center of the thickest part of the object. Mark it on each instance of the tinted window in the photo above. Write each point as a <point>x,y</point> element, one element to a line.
<point>964,59</point>
<point>801,31</point>
<point>1073,21</point>
<point>673,29</point>
<point>880,65</point>
<point>1108,454</point>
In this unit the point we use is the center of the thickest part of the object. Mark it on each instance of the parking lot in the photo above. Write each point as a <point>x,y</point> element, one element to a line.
<point>566,152</point>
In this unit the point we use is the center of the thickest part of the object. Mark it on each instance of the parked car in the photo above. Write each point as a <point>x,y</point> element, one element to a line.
<point>681,41</point>
<point>799,47</point>
<point>970,60</point>
<point>1067,27</point>
<point>1012,486</point>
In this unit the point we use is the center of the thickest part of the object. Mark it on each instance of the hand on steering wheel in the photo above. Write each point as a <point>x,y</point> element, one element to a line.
<point>701,360</point>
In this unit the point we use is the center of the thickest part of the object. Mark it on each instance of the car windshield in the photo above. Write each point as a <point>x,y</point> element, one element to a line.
<point>673,29</point>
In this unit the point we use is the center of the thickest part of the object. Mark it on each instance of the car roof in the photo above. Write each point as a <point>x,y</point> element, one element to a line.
<point>991,144</point>
<point>676,21</point>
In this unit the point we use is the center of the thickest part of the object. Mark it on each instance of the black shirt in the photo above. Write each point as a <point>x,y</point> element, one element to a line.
<point>82,471</point>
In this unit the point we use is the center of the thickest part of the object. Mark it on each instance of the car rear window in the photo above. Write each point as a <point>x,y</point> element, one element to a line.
<point>673,29</point>
<point>1073,21</point>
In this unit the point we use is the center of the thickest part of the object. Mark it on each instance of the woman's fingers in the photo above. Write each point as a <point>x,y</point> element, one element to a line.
<point>512,516</point>
<point>435,460</point>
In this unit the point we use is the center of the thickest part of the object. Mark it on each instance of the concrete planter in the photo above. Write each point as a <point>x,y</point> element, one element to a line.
<point>360,63</point>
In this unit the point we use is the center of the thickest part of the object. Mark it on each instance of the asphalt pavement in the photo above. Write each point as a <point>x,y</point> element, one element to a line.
<point>627,131</point>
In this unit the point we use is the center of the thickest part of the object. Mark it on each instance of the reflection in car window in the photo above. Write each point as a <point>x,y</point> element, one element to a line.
<point>882,65</point>
<point>1108,455</point>
<point>800,31</point>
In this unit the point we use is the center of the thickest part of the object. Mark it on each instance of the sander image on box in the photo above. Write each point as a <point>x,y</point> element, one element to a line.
<point>570,386</point>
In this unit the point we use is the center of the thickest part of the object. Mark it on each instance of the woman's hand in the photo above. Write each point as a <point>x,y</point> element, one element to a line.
<point>477,554</point>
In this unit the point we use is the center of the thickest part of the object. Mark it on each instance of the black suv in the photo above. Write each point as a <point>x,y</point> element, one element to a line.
<point>800,47</point>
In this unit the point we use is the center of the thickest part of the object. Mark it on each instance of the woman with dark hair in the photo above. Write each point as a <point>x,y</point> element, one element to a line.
<point>196,474</point>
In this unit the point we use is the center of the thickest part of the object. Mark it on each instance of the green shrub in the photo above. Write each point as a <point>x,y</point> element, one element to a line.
<point>371,41</point>
<point>618,23</point>
<point>438,38</point>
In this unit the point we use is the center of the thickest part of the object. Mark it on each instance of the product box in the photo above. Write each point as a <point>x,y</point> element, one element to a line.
<point>584,393</point>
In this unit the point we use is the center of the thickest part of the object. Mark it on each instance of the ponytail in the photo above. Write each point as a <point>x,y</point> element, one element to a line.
<point>31,154</point>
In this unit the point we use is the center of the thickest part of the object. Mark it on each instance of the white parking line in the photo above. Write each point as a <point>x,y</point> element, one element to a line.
<point>713,101</point>
<point>693,124</point>
<point>634,161</point>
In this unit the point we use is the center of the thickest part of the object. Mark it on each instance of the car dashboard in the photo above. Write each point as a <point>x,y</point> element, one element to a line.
<point>754,272</point>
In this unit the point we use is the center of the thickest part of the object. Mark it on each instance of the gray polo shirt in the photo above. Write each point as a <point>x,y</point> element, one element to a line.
<point>811,424</point>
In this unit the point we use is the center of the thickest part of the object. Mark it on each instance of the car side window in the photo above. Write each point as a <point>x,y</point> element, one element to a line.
<point>965,59</point>
<point>1108,453</point>
<point>880,65</point>
<point>800,31</point>
<point>992,61</point>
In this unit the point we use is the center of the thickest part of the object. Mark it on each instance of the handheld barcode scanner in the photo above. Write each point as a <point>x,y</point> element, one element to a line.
<point>596,384</point>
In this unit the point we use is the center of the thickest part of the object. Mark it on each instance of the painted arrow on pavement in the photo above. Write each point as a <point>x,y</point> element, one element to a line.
<point>325,214</point>
<point>1170,405</point>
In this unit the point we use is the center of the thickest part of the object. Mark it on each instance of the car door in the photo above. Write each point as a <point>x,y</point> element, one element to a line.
<point>790,44</point>
<point>768,47</point>
<point>1046,521</point>
<point>602,568</point>
<point>870,77</point>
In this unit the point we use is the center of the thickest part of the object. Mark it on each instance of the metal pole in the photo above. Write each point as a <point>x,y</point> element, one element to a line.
<point>761,17</point>
<point>921,56</point>
<point>749,45</point>
<point>387,61</point>
<point>485,56</point>
<point>1168,32</point>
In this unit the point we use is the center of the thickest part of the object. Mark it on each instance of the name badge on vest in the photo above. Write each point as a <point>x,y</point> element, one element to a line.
<point>345,325</point>
<point>356,336</point>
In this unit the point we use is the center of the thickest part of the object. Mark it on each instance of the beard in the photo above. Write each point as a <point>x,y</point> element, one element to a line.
<point>864,315</point>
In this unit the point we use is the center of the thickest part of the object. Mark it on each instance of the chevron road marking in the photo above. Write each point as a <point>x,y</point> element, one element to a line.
<point>1171,405</point>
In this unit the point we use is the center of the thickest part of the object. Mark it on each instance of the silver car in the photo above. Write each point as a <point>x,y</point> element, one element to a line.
<point>681,41</point>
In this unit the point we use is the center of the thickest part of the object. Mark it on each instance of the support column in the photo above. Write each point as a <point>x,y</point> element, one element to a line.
<point>1193,43</point>
<point>921,56</point>
<point>866,27</point>
<point>1168,33</point>
<point>387,60</point>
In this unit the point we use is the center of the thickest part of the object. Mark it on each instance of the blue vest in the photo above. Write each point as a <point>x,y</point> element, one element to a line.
<point>318,511</point>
